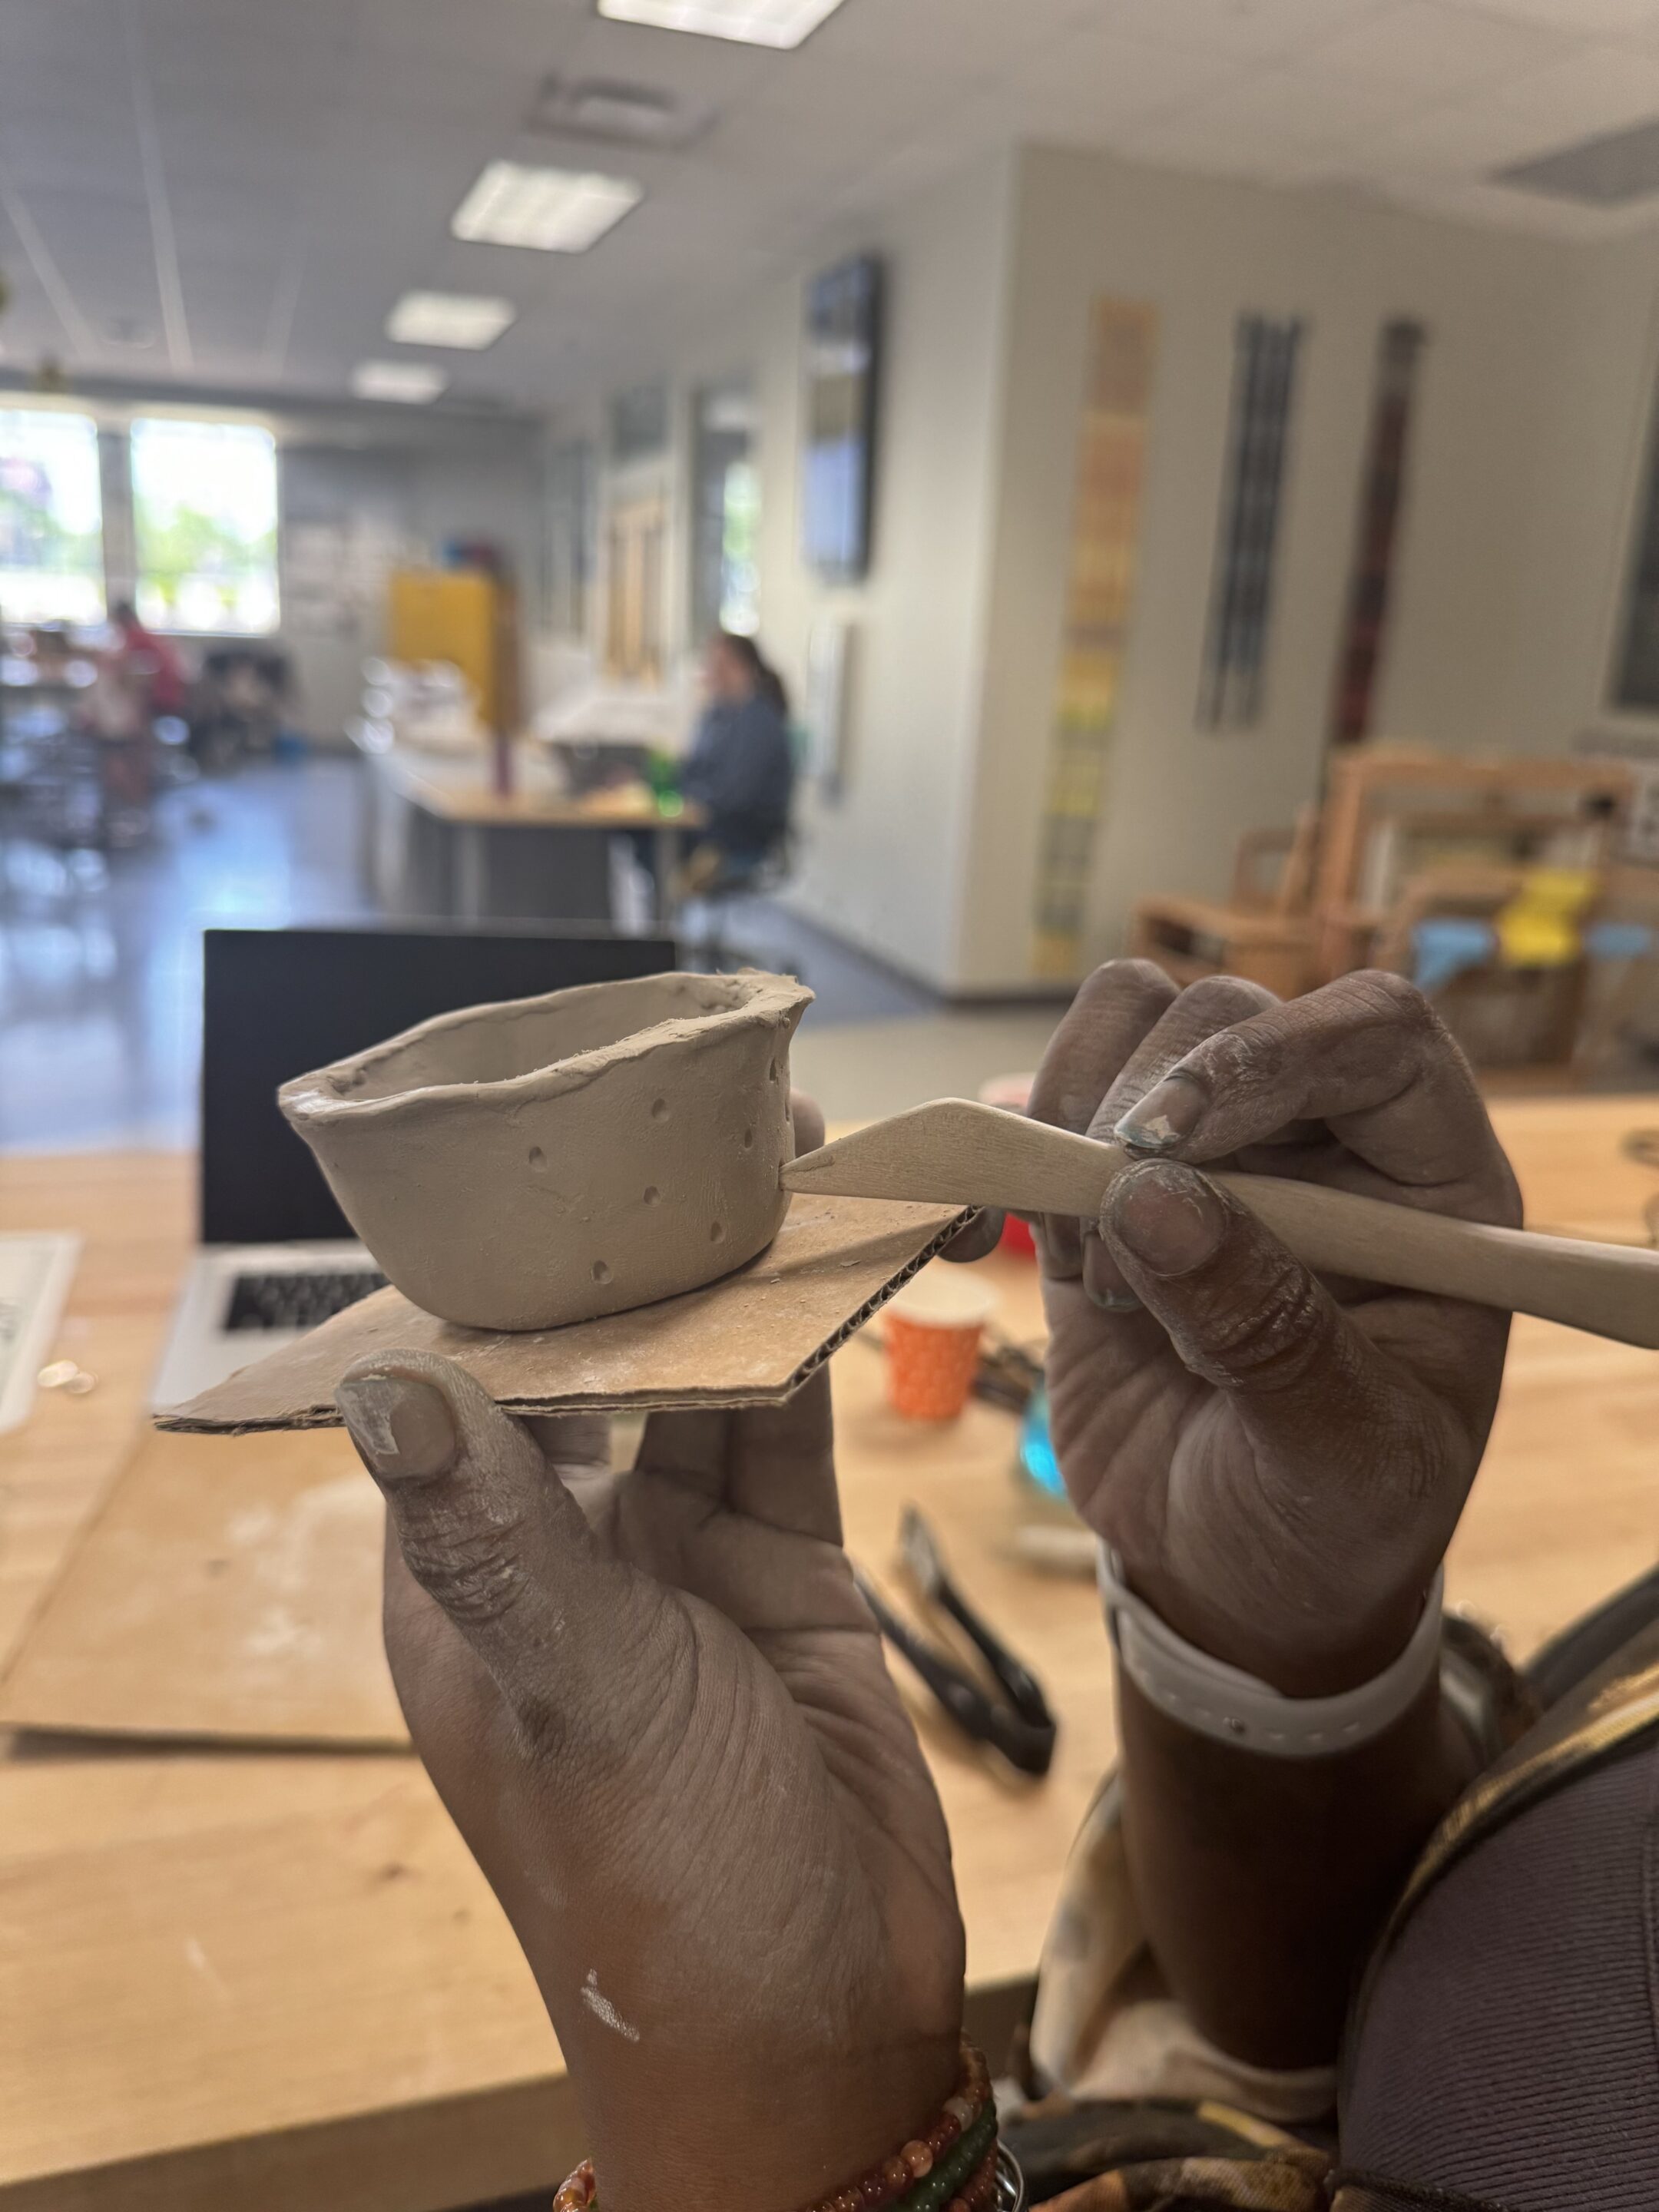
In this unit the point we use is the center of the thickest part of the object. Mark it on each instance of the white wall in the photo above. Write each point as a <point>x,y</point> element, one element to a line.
<point>1530,421</point>
<point>882,863</point>
<point>1529,408</point>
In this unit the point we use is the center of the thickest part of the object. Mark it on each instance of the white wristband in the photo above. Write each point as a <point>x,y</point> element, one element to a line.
<point>1217,1701</point>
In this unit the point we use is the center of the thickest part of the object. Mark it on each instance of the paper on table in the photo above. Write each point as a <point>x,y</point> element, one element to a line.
<point>36,1272</point>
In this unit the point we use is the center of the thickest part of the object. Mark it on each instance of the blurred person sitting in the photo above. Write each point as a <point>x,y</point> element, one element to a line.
<point>740,769</point>
<point>139,679</point>
<point>138,653</point>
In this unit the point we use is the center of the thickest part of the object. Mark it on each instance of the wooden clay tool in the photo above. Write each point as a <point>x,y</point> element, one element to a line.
<point>956,1153</point>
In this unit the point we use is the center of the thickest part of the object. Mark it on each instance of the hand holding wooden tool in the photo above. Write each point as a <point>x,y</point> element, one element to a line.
<point>954,1152</point>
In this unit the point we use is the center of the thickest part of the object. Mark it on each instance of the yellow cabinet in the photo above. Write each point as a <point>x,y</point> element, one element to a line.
<point>463,616</point>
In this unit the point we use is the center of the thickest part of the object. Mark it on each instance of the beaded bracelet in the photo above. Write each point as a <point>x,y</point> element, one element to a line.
<point>902,2179</point>
<point>576,2193</point>
<point>952,2167</point>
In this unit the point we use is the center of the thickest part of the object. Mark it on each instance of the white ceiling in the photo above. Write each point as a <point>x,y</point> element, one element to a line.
<point>249,188</point>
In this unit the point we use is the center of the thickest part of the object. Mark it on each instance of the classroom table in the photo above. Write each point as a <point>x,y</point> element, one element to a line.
<point>275,1979</point>
<point>439,838</point>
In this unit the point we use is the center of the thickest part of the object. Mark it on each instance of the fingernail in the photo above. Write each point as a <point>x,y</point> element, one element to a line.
<point>1167,1115</point>
<point>403,1428</point>
<point>1102,1278</point>
<point>1169,1217</point>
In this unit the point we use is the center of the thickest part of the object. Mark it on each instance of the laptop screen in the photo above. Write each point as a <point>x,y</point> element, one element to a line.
<point>276,1002</point>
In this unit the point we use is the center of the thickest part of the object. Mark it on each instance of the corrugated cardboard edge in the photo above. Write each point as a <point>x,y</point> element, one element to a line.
<point>195,1418</point>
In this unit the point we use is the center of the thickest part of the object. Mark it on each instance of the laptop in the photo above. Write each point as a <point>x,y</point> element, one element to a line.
<point>277,1257</point>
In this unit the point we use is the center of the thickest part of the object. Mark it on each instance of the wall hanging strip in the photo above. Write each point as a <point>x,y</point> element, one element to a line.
<point>1241,597</point>
<point>1100,585</point>
<point>1399,353</point>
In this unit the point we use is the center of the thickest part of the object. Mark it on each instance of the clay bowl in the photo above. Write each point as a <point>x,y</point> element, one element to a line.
<point>547,1160</point>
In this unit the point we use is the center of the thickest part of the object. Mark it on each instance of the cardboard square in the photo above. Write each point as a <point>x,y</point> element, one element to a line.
<point>229,1588</point>
<point>751,1338</point>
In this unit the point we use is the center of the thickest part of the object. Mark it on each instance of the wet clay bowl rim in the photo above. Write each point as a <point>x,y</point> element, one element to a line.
<point>340,1091</point>
<point>537,1162</point>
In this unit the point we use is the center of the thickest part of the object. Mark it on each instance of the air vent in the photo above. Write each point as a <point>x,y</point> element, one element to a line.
<point>605,109</point>
<point>1610,170</point>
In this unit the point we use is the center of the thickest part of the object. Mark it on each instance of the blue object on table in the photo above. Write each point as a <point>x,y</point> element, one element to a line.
<point>1037,1448</point>
<point>1448,945</point>
<point>1618,940</point>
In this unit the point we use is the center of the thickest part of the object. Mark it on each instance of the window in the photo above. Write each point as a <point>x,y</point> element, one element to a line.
<point>739,549</point>
<point>52,522</point>
<point>204,527</point>
<point>725,515</point>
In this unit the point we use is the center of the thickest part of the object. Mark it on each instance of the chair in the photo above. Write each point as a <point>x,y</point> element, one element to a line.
<point>732,890</point>
<point>1261,931</point>
<point>1506,955</point>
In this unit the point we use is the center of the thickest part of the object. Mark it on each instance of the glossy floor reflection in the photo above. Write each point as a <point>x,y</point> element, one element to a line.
<point>100,967</point>
<point>101,956</point>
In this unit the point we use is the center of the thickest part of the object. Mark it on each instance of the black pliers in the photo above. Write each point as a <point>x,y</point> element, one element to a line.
<point>1023,1729</point>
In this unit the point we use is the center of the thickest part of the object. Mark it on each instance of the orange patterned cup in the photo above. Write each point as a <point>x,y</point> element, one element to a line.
<point>933,1327</point>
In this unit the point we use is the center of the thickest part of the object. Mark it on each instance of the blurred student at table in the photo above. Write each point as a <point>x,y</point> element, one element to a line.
<point>139,678</point>
<point>741,767</point>
<point>149,661</point>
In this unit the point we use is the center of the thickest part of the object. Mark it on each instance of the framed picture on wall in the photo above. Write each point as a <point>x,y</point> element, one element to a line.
<point>843,349</point>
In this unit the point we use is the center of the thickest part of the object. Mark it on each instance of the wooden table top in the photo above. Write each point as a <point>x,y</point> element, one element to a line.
<point>456,788</point>
<point>275,1979</point>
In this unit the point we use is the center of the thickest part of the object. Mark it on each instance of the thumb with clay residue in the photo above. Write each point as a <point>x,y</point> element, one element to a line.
<point>487,1529</point>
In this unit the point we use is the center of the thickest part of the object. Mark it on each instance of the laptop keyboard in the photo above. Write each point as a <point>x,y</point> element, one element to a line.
<point>298,1301</point>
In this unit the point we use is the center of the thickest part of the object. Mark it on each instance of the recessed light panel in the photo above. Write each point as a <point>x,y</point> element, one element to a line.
<point>413,382</point>
<point>753,23</point>
<point>554,210</point>
<point>466,319</point>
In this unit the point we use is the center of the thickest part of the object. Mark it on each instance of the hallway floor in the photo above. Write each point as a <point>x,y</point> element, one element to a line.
<point>101,969</point>
<point>101,956</point>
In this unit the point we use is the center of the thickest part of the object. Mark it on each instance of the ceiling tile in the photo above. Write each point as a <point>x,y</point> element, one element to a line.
<point>1256,30</point>
<point>83,157</point>
<point>1601,89</point>
<point>1315,115</point>
<point>1462,139</point>
<point>1118,79</point>
<point>1210,147</point>
<point>1418,47</point>
<point>1588,18</point>
<point>951,37</point>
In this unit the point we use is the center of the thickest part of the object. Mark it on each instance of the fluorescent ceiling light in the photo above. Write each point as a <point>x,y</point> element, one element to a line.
<point>754,22</point>
<point>414,382</point>
<point>449,319</point>
<point>555,210</point>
